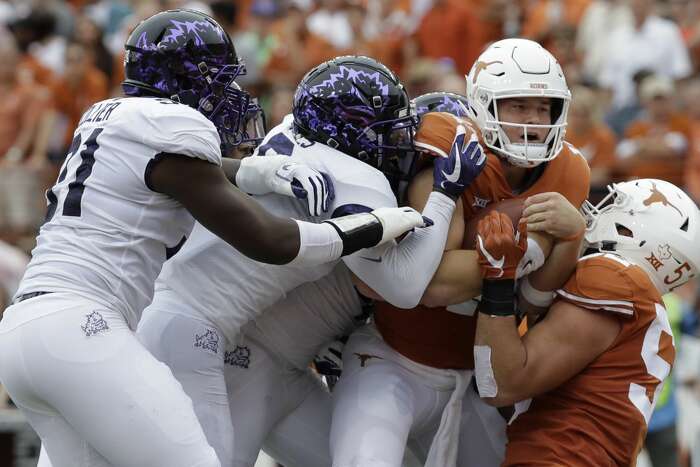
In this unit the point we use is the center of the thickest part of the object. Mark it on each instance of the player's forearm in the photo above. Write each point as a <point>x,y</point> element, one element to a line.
<point>231,214</point>
<point>457,279</point>
<point>558,266</point>
<point>500,360</point>
<point>249,228</point>
<point>401,273</point>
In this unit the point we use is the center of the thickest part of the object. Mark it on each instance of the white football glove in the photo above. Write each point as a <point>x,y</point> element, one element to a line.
<point>370,229</point>
<point>398,221</point>
<point>259,175</point>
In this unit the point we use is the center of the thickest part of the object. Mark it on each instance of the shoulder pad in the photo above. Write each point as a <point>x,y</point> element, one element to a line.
<point>601,282</point>
<point>170,127</point>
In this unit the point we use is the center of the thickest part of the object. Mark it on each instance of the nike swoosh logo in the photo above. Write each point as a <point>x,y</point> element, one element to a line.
<point>454,176</point>
<point>374,260</point>
<point>496,263</point>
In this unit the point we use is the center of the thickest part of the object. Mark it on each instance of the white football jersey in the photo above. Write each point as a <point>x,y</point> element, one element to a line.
<point>107,233</point>
<point>310,316</point>
<point>219,283</point>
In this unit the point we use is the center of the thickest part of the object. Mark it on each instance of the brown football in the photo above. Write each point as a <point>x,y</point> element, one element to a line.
<point>512,207</point>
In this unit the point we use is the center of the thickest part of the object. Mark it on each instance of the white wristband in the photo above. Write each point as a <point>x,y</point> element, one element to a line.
<point>534,296</point>
<point>532,260</point>
<point>318,244</point>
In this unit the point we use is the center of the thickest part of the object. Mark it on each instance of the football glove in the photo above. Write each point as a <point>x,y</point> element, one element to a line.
<point>500,249</point>
<point>452,175</point>
<point>369,229</point>
<point>259,175</point>
<point>460,158</point>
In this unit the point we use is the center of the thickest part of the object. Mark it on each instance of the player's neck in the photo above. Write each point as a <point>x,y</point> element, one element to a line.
<point>515,176</point>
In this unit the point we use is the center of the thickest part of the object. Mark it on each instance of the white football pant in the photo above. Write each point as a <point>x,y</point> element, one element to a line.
<point>385,402</point>
<point>279,408</point>
<point>244,398</point>
<point>92,392</point>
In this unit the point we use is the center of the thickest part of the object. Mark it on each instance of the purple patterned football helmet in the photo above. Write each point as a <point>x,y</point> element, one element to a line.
<point>449,102</point>
<point>186,56</point>
<point>357,106</point>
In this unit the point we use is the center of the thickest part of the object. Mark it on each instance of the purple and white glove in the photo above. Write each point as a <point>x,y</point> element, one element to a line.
<point>259,175</point>
<point>453,174</point>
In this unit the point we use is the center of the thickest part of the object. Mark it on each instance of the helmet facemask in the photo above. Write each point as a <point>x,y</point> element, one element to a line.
<point>358,136</point>
<point>244,130</point>
<point>530,152</point>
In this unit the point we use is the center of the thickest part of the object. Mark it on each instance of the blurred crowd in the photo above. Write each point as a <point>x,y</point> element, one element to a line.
<point>633,67</point>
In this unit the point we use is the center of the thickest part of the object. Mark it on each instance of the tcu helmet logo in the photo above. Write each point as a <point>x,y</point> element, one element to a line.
<point>95,324</point>
<point>207,341</point>
<point>240,357</point>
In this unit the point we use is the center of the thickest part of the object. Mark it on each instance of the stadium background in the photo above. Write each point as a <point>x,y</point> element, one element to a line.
<point>633,67</point>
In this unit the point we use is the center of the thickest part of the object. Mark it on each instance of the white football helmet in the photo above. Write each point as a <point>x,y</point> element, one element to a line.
<point>663,224</point>
<point>518,68</point>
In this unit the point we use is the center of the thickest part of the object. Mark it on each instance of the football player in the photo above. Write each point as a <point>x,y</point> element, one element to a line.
<point>352,119</point>
<point>596,362</point>
<point>419,363</point>
<point>139,169</point>
<point>271,390</point>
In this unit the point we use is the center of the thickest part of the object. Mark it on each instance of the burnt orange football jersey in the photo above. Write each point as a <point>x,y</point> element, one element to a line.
<point>599,417</point>
<point>436,336</point>
<point>568,174</point>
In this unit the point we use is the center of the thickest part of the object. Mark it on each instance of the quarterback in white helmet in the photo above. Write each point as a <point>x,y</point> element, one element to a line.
<point>514,77</point>
<point>517,101</point>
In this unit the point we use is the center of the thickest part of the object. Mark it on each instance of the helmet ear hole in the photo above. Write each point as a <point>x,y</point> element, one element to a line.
<point>492,107</point>
<point>556,108</point>
<point>624,231</point>
<point>684,227</point>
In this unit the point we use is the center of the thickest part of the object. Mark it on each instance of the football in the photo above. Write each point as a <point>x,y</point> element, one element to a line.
<point>512,207</point>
